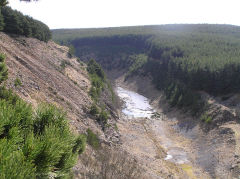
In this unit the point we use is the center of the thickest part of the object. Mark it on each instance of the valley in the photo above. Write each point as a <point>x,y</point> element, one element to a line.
<point>118,102</point>
<point>187,79</point>
<point>142,111</point>
<point>167,143</point>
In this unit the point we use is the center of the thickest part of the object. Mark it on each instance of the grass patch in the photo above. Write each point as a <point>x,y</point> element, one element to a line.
<point>206,118</point>
<point>189,170</point>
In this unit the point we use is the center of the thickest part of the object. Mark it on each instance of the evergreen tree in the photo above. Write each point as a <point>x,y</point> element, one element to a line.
<point>3,69</point>
<point>3,3</point>
<point>1,21</point>
<point>17,23</point>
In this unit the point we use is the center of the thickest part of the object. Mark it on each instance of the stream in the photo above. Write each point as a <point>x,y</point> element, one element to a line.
<point>163,145</point>
<point>137,106</point>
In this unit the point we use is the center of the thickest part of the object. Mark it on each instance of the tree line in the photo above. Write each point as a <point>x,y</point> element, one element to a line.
<point>14,22</point>
<point>202,57</point>
<point>181,60</point>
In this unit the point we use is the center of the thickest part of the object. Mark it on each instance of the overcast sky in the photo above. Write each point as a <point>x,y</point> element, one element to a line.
<point>111,13</point>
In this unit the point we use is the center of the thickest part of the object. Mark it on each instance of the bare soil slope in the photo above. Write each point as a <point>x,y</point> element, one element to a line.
<point>47,74</point>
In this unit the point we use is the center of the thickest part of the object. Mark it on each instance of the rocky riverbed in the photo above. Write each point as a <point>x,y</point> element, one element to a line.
<point>168,146</point>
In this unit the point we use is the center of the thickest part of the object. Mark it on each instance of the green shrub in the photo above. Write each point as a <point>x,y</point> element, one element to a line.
<point>71,51</point>
<point>64,63</point>
<point>80,144</point>
<point>206,118</point>
<point>96,88</point>
<point>17,82</point>
<point>94,68</point>
<point>3,69</point>
<point>103,117</point>
<point>35,144</point>
<point>94,110</point>
<point>98,79</point>
<point>8,95</point>
<point>93,139</point>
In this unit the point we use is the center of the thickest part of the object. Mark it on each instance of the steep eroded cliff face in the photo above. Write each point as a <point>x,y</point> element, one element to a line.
<point>47,74</point>
<point>43,72</point>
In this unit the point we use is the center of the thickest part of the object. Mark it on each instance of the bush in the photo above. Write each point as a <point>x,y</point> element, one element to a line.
<point>206,118</point>
<point>71,51</point>
<point>94,110</point>
<point>3,69</point>
<point>35,144</point>
<point>17,82</point>
<point>64,63</point>
<point>94,68</point>
<point>103,117</point>
<point>98,79</point>
<point>8,96</point>
<point>93,139</point>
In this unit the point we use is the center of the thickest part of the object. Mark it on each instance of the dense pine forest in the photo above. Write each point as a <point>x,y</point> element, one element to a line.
<point>14,22</point>
<point>180,59</point>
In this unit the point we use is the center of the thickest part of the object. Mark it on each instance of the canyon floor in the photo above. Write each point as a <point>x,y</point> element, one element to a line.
<point>171,144</point>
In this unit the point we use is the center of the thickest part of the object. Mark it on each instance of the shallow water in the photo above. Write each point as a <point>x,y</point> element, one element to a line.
<point>138,106</point>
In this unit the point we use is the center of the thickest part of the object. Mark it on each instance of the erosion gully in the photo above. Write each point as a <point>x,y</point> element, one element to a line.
<point>149,136</point>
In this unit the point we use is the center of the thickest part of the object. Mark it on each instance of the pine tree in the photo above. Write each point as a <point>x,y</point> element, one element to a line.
<point>1,21</point>
<point>3,3</point>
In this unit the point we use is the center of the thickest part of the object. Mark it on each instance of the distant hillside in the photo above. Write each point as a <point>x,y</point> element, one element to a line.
<point>181,59</point>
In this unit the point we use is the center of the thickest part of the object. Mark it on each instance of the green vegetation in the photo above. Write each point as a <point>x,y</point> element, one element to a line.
<point>202,57</point>
<point>97,77</point>
<point>3,69</point>
<point>137,61</point>
<point>1,21</point>
<point>179,95</point>
<point>103,117</point>
<point>93,139</point>
<point>206,118</point>
<point>71,51</point>
<point>99,82</point>
<point>14,22</point>
<point>17,82</point>
<point>3,3</point>
<point>94,110</point>
<point>34,144</point>
<point>64,63</point>
<point>181,60</point>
